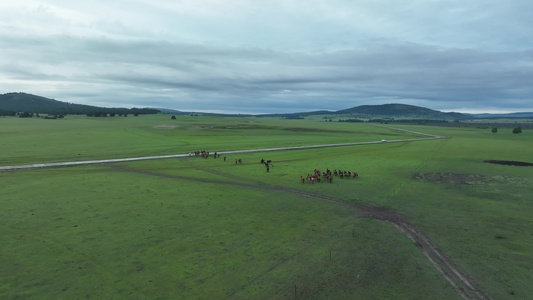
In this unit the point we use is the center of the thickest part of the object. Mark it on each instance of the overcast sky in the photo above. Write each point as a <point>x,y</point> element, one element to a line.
<point>275,56</point>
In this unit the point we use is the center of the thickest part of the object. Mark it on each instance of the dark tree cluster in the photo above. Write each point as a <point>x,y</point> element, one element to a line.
<point>408,121</point>
<point>25,115</point>
<point>7,113</point>
<point>351,120</point>
<point>53,117</point>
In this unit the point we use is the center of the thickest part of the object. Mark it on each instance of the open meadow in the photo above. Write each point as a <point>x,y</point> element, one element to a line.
<point>195,228</point>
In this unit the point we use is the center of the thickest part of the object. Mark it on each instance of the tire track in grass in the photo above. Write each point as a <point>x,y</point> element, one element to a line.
<point>463,285</point>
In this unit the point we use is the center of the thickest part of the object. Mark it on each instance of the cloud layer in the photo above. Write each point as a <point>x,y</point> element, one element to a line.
<point>271,56</point>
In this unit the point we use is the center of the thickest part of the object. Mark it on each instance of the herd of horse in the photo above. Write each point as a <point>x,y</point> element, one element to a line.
<point>205,154</point>
<point>317,175</point>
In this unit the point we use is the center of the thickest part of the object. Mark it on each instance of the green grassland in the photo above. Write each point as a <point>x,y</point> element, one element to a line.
<point>27,141</point>
<point>193,228</point>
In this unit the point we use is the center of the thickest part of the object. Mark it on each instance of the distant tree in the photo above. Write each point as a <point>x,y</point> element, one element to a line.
<point>517,130</point>
<point>7,113</point>
<point>494,129</point>
<point>25,115</point>
<point>112,114</point>
<point>173,118</point>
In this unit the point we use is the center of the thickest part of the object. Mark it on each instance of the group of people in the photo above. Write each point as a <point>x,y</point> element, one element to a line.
<point>328,175</point>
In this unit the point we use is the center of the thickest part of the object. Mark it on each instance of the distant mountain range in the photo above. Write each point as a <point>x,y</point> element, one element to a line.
<point>12,103</point>
<point>394,111</point>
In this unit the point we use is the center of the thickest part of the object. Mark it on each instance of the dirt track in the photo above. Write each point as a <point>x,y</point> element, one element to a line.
<point>460,282</point>
<point>464,286</point>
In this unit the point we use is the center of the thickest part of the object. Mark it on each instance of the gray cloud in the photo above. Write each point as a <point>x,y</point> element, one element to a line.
<point>444,55</point>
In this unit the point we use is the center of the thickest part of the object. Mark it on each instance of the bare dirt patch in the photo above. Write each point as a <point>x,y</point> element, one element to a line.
<point>451,178</point>
<point>509,163</point>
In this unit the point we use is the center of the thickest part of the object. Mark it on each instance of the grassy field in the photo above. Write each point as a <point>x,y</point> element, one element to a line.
<point>193,228</point>
<point>27,141</point>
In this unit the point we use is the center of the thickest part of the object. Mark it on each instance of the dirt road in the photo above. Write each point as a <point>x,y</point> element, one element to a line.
<point>104,161</point>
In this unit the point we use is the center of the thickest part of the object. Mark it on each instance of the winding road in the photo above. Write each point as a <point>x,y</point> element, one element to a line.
<point>103,161</point>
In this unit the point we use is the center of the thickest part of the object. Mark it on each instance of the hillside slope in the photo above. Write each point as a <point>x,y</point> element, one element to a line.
<point>402,110</point>
<point>22,102</point>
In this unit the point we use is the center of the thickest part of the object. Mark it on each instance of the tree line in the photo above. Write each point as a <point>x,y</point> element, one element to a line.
<point>13,104</point>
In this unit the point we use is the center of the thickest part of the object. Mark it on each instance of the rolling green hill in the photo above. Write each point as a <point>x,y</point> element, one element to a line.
<point>384,111</point>
<point>21,102</point>
<point>13,103</point>
<point>392,110</point>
